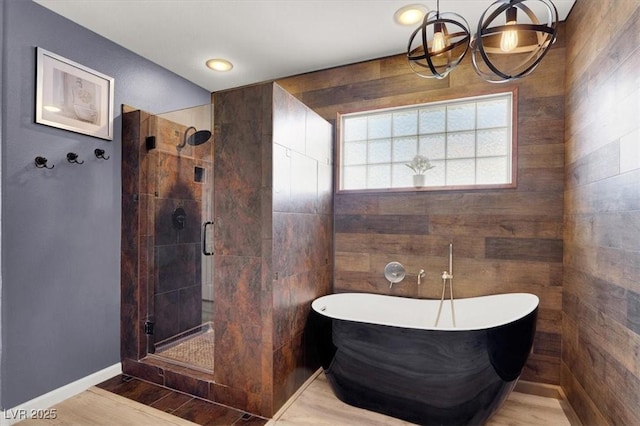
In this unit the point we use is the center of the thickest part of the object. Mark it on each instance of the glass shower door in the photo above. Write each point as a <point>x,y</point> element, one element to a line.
<point>180,289</point>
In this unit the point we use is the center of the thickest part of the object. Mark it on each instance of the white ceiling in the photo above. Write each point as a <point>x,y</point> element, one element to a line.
<point>265,39</point>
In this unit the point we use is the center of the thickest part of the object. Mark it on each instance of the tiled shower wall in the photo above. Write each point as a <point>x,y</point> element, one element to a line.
<point>507,240</point>
<point>273,186</point>
<point>302,235</point>
<point>242,238</point>
<point>170,257</point>
<point>272,237</point>
<point>154,183</point>
<point>178,252</point>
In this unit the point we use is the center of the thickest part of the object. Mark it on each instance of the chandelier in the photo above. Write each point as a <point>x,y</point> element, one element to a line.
<point>513,49</point>
<point>438,45</point>
<point>507,45</point>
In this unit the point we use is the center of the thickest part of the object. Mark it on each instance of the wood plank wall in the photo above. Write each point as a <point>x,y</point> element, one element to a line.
<point>507,240</point>
<point>601,302</point>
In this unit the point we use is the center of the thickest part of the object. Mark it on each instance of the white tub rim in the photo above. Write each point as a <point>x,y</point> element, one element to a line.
<point>424,318</point>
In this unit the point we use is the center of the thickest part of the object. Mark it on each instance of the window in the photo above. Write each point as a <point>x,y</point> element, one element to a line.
<point>468,141</point>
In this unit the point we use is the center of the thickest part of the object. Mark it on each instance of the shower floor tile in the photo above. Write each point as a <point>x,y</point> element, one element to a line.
<point>196,351</point>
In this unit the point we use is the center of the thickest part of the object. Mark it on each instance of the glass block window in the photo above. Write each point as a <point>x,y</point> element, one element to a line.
<point>468,141</point>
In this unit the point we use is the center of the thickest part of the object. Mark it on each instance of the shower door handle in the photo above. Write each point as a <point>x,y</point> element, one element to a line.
<point>205,240</point>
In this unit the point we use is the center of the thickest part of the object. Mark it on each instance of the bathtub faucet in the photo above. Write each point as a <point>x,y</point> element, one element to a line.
<point>394,272</point>
<point>447,276</point>
<point>421,275</point>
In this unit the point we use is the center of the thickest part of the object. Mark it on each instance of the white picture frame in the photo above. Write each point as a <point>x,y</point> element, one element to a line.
<point>73,97</point>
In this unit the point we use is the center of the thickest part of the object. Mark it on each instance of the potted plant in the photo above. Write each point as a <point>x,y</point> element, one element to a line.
<point>420,164</point>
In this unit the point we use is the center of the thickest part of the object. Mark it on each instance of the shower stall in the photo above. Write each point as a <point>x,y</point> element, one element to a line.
<point>226,241</point>
<point>179,326</point>
<point>173,196</point>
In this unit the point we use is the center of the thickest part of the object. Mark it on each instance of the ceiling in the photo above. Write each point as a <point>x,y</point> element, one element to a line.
<point>264,39</point>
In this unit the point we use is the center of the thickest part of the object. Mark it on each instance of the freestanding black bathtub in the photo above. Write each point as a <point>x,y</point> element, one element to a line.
<point>383,353</point>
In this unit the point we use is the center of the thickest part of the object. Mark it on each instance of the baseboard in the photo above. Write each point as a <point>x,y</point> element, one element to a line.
<point>539,389</point>
<point>550,391</point>
<point>39,406</point>
<point>574,420</point>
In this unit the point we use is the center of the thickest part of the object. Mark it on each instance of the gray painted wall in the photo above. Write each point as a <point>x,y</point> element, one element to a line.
<point>60,297</point>
<point>2,21</point>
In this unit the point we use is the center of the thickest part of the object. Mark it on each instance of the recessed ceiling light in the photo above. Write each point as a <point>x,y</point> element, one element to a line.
<point>218,64</point>
<point>410,14</point>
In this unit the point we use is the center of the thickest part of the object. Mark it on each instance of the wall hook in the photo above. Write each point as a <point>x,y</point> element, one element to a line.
<point>72,157</point>
<point>41,163</point>
<point>100,154</point>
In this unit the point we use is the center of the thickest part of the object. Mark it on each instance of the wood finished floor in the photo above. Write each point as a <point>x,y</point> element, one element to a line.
<point>124,400</point>
<point>97,406</point>
<point>134,402</point>
<point>319,407</point>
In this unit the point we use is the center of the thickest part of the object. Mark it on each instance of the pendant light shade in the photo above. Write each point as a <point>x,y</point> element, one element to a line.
<point>512,38</point>
<point>438,45</point>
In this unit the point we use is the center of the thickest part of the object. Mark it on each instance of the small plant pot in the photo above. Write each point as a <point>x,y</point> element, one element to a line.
<point>418,181</point>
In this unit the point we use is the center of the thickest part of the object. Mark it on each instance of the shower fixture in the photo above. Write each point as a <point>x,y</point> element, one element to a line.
<point>179,218</point>
<point>197,138</point>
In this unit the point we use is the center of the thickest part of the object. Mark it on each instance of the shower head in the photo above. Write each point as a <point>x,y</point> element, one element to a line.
<point>197,138</point>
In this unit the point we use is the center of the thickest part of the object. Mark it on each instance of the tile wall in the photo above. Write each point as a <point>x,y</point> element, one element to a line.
<point>273,240</point>
<point>178,252</point>
<point>601,301</point>
<point>272,205</point>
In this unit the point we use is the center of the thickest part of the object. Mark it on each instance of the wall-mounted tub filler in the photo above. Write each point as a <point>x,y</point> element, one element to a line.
<point>447,276</point>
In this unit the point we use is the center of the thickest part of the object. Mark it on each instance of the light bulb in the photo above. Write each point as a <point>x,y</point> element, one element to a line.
<point>411,14</point>
<point>509,40</point>
<point>439,42</point>
<point>218,64</point>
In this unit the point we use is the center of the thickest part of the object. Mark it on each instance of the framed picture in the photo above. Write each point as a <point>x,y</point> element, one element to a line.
<point>73,97</point>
